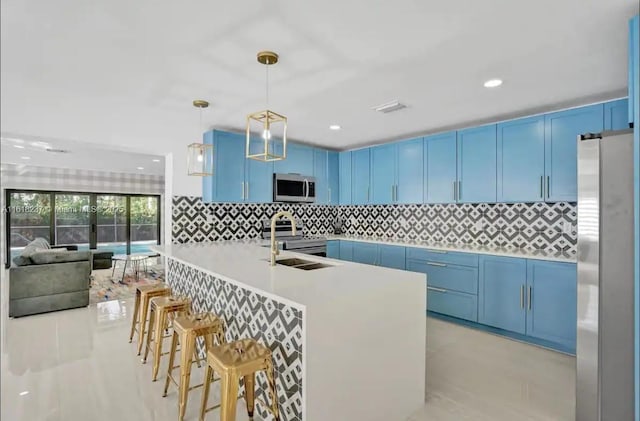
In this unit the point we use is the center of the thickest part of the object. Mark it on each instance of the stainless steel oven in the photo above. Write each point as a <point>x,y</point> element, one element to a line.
<point>294,188</point>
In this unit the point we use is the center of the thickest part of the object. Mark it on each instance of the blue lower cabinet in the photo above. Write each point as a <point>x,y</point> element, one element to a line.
<point>440,256</point>
<point>333,249</point>
<point>452,277</point>
<point>391,256</point>
<point>452,303</point>
<point>501,293</point>
<point>346,250</point>
<point>366,253</point>
<point>551,302</point>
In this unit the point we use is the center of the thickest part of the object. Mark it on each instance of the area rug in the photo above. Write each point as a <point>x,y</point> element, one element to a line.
<point>103,289</point>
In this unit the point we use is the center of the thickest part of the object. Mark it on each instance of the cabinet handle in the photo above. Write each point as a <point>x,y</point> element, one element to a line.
<point>329,195</point>
<point>437,251</point>
<point>455,190</point>
<point>437,289</point>
<point>396,190</point>
<point>243,190</point>
<point>548,186</point>
<point>529,298</point>
<point>459,190</point>
<point>442,265</point>
<point>393,193</point>
<point>521,296</point>
<point>542,186</point>
<point>247,190</point>
<point>367,194</point>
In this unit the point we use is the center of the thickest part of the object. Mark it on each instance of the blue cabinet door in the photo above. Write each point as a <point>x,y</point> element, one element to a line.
<point>616,115</point>
<point>521,160</point>
<point>258,177</point>
<point>228,169</point>
<point>440,168</point>
<point>346,250</point>
<point>561,149</point>
<point>634,71</point>
<point>410,178</point>
<point>207,181</point>
<point>365,253</point>
<point>501,293</point>
<point>360,193</point>
<point>333,249</point>
<point>551,301</point>
<point>391,256</point>
<point>345,178</point>
<point>477,165</point>
<point>383,174</point>
<point>299,160</point>
<point>333,176</point>
<point>320,172</point>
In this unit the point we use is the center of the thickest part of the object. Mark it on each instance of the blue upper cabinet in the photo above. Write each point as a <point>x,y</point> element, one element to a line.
<point>333,167</point>
<point>477,165</point>
<point>521,160</point>
<point>360,193</point>
<point>616,115</point>
<point>258,187</point>
<point>228,167</point>
<point>207,182</point>
<point>440,168</point>
<point>320,172</point>
<point>551,302</point>
<point>561,149</point>
<point>299,160</point>
<point>634,71</point>
<point>383,174</point>
<point>501,293</point>
<point>345,178</point>
<point>409,168</point>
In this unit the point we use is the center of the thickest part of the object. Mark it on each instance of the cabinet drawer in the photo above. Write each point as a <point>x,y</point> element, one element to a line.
<point>442,275</point>
<point>452,303</point>
<point>451,257</point>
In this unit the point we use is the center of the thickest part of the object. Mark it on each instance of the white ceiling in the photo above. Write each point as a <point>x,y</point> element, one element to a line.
<point>30,150</point>
<point>124,73</point>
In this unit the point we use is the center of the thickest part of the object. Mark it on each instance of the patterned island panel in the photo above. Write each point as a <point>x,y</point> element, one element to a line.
<point>248,314</point>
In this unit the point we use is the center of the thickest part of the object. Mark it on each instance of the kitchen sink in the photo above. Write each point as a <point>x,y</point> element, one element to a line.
<point>297,263</point>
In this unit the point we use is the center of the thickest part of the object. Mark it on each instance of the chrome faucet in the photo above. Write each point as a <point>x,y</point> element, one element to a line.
<point>274,245</point>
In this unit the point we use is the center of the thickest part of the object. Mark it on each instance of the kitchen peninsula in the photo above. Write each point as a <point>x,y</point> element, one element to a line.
<point>348,340</point>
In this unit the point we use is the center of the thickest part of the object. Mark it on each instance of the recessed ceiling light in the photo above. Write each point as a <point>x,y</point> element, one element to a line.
<point>25,157</point>
<point>18,146</point>
<point>141,168</point>
<point>335,127</point>
<point>26,392</point>
<point>155,160</point>
<point>493,83</point>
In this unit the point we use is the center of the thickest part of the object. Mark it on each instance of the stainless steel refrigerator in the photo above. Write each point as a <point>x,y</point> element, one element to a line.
<point>605,342</point>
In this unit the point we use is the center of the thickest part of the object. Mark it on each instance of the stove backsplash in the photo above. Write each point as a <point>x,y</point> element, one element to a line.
<point>547,226</point>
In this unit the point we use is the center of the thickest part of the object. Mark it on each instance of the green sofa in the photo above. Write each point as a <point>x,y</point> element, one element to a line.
<point>42,279</point>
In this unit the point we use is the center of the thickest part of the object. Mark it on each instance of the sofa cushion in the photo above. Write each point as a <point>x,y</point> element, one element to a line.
<point>58,256</point>
<point>22,261</point>
<point>36,245</point>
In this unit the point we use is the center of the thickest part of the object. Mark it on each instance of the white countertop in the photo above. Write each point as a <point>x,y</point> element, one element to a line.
<point>246,263</point>
<point>555,256</point>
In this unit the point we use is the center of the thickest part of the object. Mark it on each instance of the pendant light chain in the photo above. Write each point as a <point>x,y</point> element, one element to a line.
<point>267,87</point>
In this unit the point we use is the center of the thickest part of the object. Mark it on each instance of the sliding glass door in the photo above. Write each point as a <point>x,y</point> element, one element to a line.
<point>111,223</point>
<point>122,223</point>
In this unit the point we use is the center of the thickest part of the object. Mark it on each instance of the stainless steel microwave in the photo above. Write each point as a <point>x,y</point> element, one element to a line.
<point>294,188</point>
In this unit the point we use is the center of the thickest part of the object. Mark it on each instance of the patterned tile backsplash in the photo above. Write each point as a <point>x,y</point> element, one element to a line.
<point>547,226</point>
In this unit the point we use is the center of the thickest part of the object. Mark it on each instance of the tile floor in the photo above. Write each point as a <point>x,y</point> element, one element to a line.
<point>78,365</point>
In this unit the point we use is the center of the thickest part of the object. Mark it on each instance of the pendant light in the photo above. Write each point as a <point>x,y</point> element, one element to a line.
<point>266,130</point>
<point>200,155</point>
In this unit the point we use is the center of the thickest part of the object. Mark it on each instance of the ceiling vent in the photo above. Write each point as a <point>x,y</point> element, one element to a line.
<point>390,107</point>
<point>54,150</point>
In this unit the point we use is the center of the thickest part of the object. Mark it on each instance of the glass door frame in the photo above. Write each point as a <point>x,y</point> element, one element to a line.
<point>93,216</point>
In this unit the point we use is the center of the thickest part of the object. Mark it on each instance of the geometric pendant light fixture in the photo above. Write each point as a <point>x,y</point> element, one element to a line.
<point>200,155</point>
<point>266,130</point>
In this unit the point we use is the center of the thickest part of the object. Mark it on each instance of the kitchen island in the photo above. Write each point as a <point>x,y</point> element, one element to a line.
<point>348,340</point>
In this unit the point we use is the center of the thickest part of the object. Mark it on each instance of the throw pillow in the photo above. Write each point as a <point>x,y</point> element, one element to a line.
<point>36,245</point>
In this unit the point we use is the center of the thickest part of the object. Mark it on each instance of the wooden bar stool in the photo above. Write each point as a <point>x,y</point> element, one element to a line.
<point>144,293</point>
<point>232,361</point>
<point>161,309</point>
<point>186,329</point>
